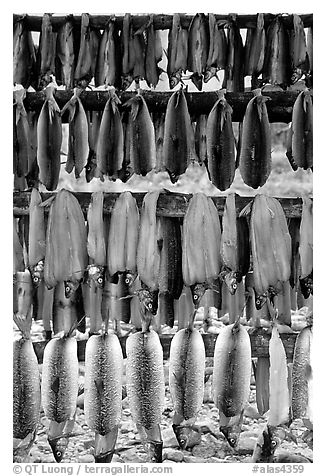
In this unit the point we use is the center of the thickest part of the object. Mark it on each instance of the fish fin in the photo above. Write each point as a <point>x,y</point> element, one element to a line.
<point>246,210</point>
<point>55,385</point>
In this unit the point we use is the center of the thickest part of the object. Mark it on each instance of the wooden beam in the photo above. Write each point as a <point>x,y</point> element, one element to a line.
<point>259,340</point>
<point>169,204</point>
<point>161,21</point>
<point>279,106</point>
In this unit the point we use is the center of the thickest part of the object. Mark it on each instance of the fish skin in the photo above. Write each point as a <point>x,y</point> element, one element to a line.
<point>21,135</point>
<point>37,233</point>
<point>88,51</point>
<point>24,57</point>
<point>109,59</point>
<point>22,293</point>
<point>96,245</point>
<point>300,150</point>
<point>142,137</point>
<point>103,383</point>
<point>177,51</point>
<point>110,142</point>
<point>301,373</point>
<point>306,246</point>
<point>262,384</point>
<point>198,46</point>
<point>145,378</point>
<point>123,235</point>
<point>49,138</point>
<point>186,373</point>
<point>277,62</point>
<point>65,54</point>
<point>179,140</point>
<point>216,58</point>
<point>47,51</point>
<point>255,150</point>
<point>234,67</point>
<point>267,442</point>
<point>299,55</point>
<point>220,145</point>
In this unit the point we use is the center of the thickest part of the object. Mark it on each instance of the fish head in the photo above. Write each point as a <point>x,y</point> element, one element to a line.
<point>58,447</point>
<point>37,272</point>
<point>231,282</point>
<point>266,444</point>
<point>104,457</point>
<point>175,79</point>
<point>260,300</point>
<point>209,73</point>
<point>95,273</point>
<point>154,449</point>
<point>126,81</point>
<point>70,288</point>
<point>231,434</point>
<point>197,291</point>
<point>306,286</point>
<point>148,300</point>
<point>130,278</point>
<point>187,436</point>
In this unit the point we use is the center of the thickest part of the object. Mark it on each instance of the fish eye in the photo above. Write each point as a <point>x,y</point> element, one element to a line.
<point>150,306</point>
<point>195,297</point>
<point>59,453</point>
<point>232,441</point>
<point>234,286</point>
<point>100,280</point>
<point>67,288</point>
<point>257,301</point>
<point>35,279</point>
<point>127,280</point>
<point>273,443</point>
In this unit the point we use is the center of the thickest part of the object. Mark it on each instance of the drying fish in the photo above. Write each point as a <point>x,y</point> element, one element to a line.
<point>201,138</point>
<point>66,252</point>
<point>298,46</point>
<point>170,270</point>
<point>128,56</point>
<point>179,140</point>
<point>277,62</point>
<point>159,121</point>
<point>270,247</point>
<point>306,248</point>
<point>261,371</point>
<point>109,152</point>
<point>220,144</point>
<point>66,54</point>
<point>46,51</point>
<point>18,253</point>
<point>300,144</point>
<point>108,66</point>
<point>153,54</point>
<point>103,392</point>
<point>201,261</point>
<point>33,171</point>
<point>177,51</point>
<point>216,58</point>
<point>23,54</point>
<point>49,131</point>
<point>145,388</point>
<point>88,51</point>
<point>231,378</point>
<point>234,66</point>
<point>123,236</point>
<point>198,45</point>
<point>26,391</point>
<point>78,148</point>
<point>310,56</point>
<point>268,441</point>
<point>142,137</point>
<point>186,380</point>
<point>255,50</point>
<point>235,250</point>
<point>255,150</point>
<point>36,249</point>
<point>22,294</point>
<point>301,374</point>
<point>59,390</point>
<point>21,135</point>
<point>94,121</point>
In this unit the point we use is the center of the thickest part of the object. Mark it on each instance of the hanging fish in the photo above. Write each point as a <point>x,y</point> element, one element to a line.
<point>179,139</point>
<point>33,170</point>
<point>142,137</point>
<point>88,51</point>
<point>21,135</point>
<point>277,62</point>
<point>78,147</point>
<point>255,50</point>
<point>108,66</point>
<point>177,51</point>
<point>300,144</point>
<point>186,381</point>
<point>231,378</point>
<point>123,236</point>
<point>268,441</point>
<point>153,54</point>
<point>24,57</point>
<point>234,67</point>
<point>93,121</point>
<point>103,392</point>
<point>220,144</point>
<point>198,45</point>
<point>66,54</point>
<point>46,51</point>
<point>128,58</point>
<point>36,249</point>
<point>298,47</point>
<point>306,248</point>
<point>216,59</point>
<point>109,152</point>
<point>301,374</point>
<point>310,56</point>
<point>59,391</point>
<point>255,150</point>
<point>49,131</point>
<point>26,392</point>
<point>66,252</point>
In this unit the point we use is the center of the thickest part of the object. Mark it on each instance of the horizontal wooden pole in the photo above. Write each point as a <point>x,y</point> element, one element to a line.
<point>259,340</point>
<point>279,106</point>
<point>161,21</point>
<point>169,204</point>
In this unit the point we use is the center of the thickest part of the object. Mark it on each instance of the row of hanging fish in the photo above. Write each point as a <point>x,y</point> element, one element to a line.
<point>116,145</point>
<point>117,56</point>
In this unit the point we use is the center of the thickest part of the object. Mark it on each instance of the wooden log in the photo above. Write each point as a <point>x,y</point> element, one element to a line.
<point>161,21</point>
<point>169,204</point>
<point>279,106</point>
<point>259,340</point>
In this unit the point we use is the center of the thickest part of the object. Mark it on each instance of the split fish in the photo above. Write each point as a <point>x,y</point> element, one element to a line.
<point>299,55</point>
<point>177,51</point>
<point>153,55</point>
<point>255,50</point>
<point>46,51</point>
<point>109,59</point>
<point>198,46</point>
<point>21,135</point>
<point>37,232</point>
<point>216,59</point>
<point>88,51</point>
<point>24,57</point>
<point>306,248</point>
<point>234,66</point>
<point>66,54</point>
<point>302,375</point>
